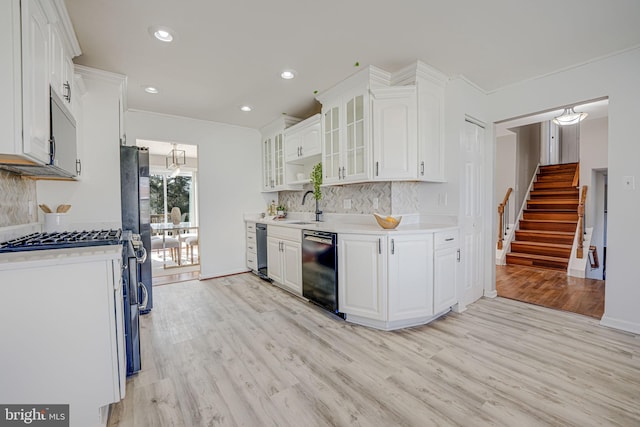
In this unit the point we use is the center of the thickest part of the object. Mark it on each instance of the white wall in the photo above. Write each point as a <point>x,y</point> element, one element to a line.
<point>593,162</point>
<point>506,172</point>
<point>229,168</point>
<point>95,197</point>
<point>617,78</point>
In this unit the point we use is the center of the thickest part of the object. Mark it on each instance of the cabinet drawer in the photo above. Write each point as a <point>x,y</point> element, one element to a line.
<point>251,227</point>
<point>251,242</point>
<point>288,233</point>
<point>446,239</point>
<point>252,261</point>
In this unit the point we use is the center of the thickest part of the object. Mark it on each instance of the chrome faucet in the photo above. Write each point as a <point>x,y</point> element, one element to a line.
<point>318,211</point>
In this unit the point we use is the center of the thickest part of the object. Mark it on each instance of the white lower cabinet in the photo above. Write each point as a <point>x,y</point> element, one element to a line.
<point>362,281</point>
<point>445,271</point>
<point>284,257</point>
<point>410,276</point>
<point>397,280</point>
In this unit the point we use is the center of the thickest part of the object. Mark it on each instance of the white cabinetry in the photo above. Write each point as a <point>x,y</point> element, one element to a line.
<point>284,257</point>
<point>35,50</point>
<point>68,344</point>
<point>429,84</point>
<point>395,133</point>
<point>60,65</point>
<point>252,254</point>
<point>362,276</point>
<point>387,127</point>
<point>410,276</point>
<point>35,81</point>
<point>446,261</point>
<point>346,121</point>
<point>273,154</point>
<point>391,281</point>
<point>302,149</point>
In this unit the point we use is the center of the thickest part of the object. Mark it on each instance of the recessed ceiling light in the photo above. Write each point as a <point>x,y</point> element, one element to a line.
<point>288,74</point>
<point>150,89</point>
<point>164,34</point>
<point>246,108</point>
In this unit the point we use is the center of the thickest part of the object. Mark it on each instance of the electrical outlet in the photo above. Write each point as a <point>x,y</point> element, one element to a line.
<point>347,203</point>
<point>375,203</point>
<point>629,182</point>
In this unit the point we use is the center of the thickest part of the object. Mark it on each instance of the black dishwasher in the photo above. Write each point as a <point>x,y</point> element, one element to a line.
<point>261,250</point>
<point>320,269</point>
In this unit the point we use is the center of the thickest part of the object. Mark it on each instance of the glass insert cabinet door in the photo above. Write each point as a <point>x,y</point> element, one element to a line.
<point>279,160</point>
<point>267,158</point>
<point>355,147</point>
<point>331,160</point>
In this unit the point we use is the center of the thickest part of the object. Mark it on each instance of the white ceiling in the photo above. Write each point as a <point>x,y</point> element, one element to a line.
<point>230,52</point>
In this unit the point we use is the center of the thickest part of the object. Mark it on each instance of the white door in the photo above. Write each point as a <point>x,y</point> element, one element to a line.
<point>471,208</point>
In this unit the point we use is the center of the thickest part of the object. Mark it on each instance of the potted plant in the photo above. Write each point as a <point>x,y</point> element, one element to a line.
<point>316,180</point>
<point>281,211</point>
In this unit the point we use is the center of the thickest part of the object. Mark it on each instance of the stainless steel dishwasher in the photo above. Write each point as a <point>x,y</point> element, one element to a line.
<point>320,269</point>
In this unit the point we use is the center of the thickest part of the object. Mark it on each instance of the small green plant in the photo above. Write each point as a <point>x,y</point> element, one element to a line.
<point>316,179</point>
<point>282,208</point>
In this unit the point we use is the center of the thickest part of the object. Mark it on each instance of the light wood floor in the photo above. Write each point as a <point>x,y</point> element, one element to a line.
<point>238,351</point>
<point>551,288</point>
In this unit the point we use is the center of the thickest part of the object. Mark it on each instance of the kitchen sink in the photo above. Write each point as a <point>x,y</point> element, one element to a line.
<point>301,222</point>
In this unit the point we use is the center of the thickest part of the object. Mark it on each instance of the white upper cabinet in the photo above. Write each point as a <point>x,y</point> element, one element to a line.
<point>346,124</point>
<point>37,45</point>
<point>387,127</point>
<point>395,133</point>
<point>429,84</point>
<point>35,82</point>
<point>273,154</point>
<point>302,149</point>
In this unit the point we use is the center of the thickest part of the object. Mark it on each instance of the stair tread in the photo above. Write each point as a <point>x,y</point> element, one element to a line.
<point>549,210</point>
<point>554,233</point>
<point>547,221</point>
<point>553,201</point>
<point>539,257</point>
<point>542,244</point>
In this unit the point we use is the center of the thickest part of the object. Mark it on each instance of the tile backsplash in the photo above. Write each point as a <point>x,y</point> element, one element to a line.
<point>17,200</point>
<point>393,198</point>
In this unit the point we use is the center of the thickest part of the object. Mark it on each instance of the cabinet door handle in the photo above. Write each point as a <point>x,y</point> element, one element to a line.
<point>393,247</point>
<point>250,247</point>
<point>379,246</point>
<point>377,168</point>
<point>78,167</point>
<point>458,258</point>
<point>301,151</point>
<point>52,150</point>
<point>422,168</point>
<point>448,239</point>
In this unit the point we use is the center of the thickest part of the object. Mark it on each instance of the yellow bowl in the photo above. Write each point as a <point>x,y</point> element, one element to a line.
<point>387,222</point>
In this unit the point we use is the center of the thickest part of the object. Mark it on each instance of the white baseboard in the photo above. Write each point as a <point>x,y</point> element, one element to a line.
<point>623,325</point>
<point>491,294</point>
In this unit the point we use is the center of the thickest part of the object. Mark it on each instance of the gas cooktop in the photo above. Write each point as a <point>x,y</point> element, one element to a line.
<point>62,240</point>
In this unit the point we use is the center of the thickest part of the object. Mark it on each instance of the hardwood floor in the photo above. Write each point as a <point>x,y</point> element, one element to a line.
<point>167,279</point>
<point>553,289</point>
<point>238,351</point>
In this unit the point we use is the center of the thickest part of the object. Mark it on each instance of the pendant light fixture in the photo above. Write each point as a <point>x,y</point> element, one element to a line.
<point>176,158</point>
<point>569,117</point>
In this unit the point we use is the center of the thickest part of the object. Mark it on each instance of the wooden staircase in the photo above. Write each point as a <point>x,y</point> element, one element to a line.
<point>545,234</point>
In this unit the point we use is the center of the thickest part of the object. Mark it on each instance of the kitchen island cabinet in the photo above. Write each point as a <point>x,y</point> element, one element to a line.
<point>61,322</point>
